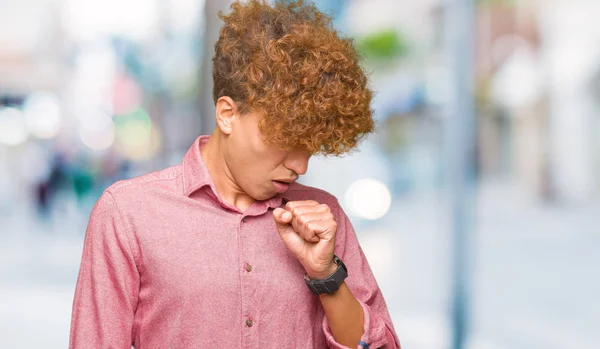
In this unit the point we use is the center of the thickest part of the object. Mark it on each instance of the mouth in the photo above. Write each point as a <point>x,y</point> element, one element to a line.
<point>282,185</point>
<point>285,181</point>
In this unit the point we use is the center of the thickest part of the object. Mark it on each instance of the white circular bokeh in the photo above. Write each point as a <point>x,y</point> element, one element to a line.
<point>368,198</point>
<point>98,136</point>
<point>42,114</point>
<point>13,130</point>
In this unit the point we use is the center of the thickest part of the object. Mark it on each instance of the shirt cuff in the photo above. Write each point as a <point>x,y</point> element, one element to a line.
<point>374,335</point>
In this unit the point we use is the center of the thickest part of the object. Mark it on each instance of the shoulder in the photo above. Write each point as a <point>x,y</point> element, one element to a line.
<point>144,185</point>
<point>299,191</point>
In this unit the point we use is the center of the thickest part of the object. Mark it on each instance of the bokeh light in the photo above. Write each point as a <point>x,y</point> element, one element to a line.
<point>97,131</point>
<point>368,198</point>
<point>88,19</point>
<point>136,137</point>
<point>13,130</point>
<point>43,114</point>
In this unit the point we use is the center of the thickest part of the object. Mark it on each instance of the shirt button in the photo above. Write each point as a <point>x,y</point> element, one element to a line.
<point>244,219</point>
<point>248,267</point>
<point>249,323</point>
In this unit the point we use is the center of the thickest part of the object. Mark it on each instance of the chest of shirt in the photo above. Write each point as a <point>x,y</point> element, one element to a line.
<point>197,250</point>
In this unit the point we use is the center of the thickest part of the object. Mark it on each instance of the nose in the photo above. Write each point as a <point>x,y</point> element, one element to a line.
<point>297,161</point>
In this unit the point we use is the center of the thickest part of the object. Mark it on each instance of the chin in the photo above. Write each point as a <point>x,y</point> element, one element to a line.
<point>261,195</point>
<point>268,193</point>
<point>264,196</point>
<point>261,192</point>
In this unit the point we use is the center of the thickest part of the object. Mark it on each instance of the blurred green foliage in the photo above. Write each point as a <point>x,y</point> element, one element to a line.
<point>384,45</point>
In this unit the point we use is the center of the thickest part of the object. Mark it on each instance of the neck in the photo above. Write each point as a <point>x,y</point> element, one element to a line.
<point>227,188</point>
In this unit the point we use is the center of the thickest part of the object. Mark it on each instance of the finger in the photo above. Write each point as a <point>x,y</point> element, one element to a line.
<point>287,233</point>
<point>307,222</point>
<point>300,210</point>
<point>306,211</point>
<point>300,228</point>
<point>301,224</point>
<point>324,229</point>
<point>293,204</point>
<point>282,217</point>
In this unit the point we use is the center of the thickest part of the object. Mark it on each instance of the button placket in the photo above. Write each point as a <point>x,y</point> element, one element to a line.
<point>247,269</point>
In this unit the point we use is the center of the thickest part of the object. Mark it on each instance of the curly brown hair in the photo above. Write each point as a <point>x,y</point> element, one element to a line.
<point>287,63</point>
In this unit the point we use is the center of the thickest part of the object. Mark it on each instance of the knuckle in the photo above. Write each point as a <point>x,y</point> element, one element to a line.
<point>301,219</point>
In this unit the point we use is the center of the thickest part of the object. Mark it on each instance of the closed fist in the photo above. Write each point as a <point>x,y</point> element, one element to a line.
<point>308,230</point>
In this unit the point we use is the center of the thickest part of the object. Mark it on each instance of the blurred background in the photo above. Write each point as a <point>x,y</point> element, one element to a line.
<point>477,200</point>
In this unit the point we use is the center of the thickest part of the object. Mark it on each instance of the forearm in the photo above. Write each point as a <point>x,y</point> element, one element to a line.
<point>345,316</point>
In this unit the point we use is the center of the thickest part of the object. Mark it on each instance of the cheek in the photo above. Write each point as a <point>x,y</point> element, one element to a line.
<point>259,176</point>
<point>257,163</point>
<point>266,161</point>
<point>246,153</point>
<point>252,172</point>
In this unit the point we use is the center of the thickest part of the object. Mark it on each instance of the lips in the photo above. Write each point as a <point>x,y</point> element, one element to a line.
<point>281,186</point>
<point>286,181</point>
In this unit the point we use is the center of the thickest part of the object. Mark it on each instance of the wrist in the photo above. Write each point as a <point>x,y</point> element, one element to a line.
<point>328,271</point>
<point>342,289</point>
<point>328,281</point>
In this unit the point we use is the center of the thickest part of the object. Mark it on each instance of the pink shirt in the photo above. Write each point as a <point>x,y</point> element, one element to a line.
<point>167,264</point>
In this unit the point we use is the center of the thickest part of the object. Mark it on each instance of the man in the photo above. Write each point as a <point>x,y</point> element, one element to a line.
<point>226,250</point>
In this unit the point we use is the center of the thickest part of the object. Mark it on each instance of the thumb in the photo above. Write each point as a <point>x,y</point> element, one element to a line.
<point>282,217</point>
<point>290,238</point>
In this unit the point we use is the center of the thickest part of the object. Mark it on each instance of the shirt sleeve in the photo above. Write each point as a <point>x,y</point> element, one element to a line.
<point>378,328</point>
<point>108,283</point>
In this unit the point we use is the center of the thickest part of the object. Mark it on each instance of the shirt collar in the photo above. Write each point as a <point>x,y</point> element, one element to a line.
<point>196,176</point>
<point>195,173</point>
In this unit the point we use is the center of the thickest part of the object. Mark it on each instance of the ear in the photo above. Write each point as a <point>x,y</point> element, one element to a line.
<point>226,111</point>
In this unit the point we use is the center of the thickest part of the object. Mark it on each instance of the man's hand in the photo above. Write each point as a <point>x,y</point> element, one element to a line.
<point>308,230</point>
